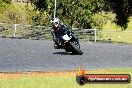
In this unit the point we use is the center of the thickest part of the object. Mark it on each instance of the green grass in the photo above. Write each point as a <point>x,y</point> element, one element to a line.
<point>62,81</point>
<point>116,36</point>
<point>110,25</point>
<point>113,33</point>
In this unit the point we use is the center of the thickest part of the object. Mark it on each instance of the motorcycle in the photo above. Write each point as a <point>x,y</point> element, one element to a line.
<point>68,42</point>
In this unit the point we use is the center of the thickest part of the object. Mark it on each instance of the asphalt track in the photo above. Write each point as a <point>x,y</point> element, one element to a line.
<point>39,55</point>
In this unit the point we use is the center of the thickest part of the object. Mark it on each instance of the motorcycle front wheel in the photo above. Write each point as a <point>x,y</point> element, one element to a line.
<point>75,49</point>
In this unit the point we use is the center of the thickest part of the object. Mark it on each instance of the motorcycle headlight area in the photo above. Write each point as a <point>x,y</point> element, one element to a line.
<point>66,37</point>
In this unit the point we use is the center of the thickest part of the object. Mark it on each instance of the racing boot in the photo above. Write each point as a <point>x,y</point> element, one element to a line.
<point>56,46</point>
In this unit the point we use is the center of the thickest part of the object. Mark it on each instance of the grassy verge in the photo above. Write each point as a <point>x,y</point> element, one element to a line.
<point>112,26</point>
<point>115,36</point>
<point>57,79</point>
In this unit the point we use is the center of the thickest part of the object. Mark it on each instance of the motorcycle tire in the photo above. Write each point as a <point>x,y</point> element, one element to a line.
<point>75,49</point>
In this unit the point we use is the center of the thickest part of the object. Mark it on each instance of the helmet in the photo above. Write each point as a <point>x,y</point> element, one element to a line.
<point>56,22</point>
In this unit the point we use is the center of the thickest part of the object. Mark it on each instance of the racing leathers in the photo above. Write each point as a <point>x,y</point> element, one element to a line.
<point>57,32</point>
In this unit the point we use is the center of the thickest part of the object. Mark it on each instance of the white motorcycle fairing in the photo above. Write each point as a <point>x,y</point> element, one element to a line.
<point>66,37</point>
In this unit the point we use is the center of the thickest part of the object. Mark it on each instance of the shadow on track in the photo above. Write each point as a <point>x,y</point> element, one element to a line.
<point>64,53</point>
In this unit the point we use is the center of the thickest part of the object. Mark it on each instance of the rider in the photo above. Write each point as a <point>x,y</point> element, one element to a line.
<point>58,29</point>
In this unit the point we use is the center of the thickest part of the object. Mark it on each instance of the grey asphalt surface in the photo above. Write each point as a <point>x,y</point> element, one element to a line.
<point>39,55</point>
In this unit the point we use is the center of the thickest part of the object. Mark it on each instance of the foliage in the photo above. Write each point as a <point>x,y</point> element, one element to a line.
<point>100,19</point>
<point>81,11</point>
<point>76,13</point>
<point>123,10</point>
<point>87,11</point>
<point>72,12</point>
<point>5,1</point>
<point>41,5</point>
<point>21,13</point>
<point>13,14</point>
<point>3,6</point>
<point>36,17</point>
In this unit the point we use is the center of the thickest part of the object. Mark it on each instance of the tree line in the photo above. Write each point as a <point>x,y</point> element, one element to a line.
<point>80,13</point>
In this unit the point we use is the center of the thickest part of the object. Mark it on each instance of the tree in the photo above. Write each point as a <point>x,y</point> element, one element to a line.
<point>81,11</point>
<point>66,10</point>
<point>87,8</point>
<point>123,10</point>
<point>40,5</point>
<point>71,11</point>
<point>5,1</point>
<point>3,4</point>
